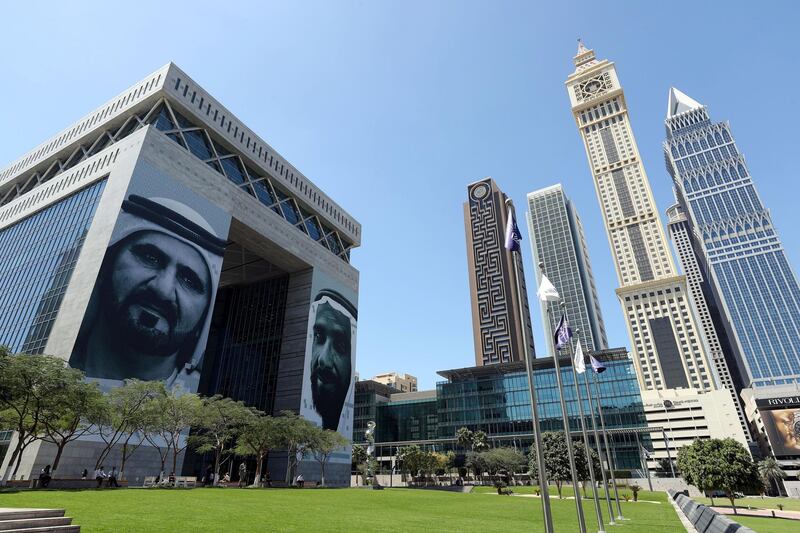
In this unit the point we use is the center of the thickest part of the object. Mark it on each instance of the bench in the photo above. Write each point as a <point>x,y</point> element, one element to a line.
<point>180,481</point>
<point>62,483</point>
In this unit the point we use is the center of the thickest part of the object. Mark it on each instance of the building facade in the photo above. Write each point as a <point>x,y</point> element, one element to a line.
<point>667,344</point>
<point>679,416</point>
<point>734,234</point>
<point>400,382</point>
<point>720,349</point>
<point>495,399</point>
<point>159,238</point>
<point>558,242</point>
<point>493,275</point>
<point>774,413</point>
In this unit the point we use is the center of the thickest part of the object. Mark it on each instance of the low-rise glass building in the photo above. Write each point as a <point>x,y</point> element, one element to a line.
<point>495,399</point>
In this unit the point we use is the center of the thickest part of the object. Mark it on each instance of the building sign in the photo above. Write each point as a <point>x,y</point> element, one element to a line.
<point>150,309</point>
<point>781,418</point>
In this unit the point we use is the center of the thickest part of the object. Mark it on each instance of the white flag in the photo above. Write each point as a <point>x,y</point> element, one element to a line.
<point>578,362</point>
<point>547,292</point>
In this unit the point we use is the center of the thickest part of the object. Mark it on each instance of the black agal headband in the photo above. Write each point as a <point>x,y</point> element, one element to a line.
<point>174,222</point>
<point>338,298</point>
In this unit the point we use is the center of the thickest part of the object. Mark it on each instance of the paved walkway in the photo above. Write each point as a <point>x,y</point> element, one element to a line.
<point>791,515</point>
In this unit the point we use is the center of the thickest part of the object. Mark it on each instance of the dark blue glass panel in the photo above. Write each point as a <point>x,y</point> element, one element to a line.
<point>289,211</point>
<point>263,192</point>
<point>233,170</point>
<point>162,120</point>
<point>198,144</point>
<point>37,257</point>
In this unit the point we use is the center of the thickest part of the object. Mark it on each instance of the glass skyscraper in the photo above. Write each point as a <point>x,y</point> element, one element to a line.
<point>557,241</point>
<point>736,243</point>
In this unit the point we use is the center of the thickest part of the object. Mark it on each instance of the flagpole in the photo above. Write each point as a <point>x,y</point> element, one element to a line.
<point>537,433</point>
<point>611,465</point>
<point>587,448</point>
<point>599,450</point>
<point>565,420</point>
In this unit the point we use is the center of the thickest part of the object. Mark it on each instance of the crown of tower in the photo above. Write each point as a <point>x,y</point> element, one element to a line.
<point>680,103</point>
<point>584,58</point>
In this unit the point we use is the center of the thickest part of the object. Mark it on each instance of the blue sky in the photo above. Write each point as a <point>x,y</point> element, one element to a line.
<point>393,107</point>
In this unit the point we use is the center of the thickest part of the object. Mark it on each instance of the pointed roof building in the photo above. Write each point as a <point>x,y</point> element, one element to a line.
<point>680,103</point>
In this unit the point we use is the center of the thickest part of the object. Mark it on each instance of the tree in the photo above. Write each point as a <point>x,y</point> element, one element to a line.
<point>219,420</point>
<point>480,441</point>
<point>293,435</point>
<point>70,413</point>
<point>503,459</point>
<point>124,419</point>
<point>29,385</point>
<point>256,438</point>
<point>322,444</point>
<point>771,473</point>
<point>464,438</point>
<point>581,464</point>
<point>556,459</point>
<point>476,462</point>
<point>414,460</point>
<point>168,419</point>
<point>719,464</point>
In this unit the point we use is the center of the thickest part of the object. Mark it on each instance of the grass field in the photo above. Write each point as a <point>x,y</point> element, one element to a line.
<point>768,525</point>
<point>156,510</point>
<point>789,504</point>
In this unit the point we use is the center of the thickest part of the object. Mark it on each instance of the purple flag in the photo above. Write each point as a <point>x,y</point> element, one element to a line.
<point>597,366</point>
<point>513,236</point>
<point>563,333</point>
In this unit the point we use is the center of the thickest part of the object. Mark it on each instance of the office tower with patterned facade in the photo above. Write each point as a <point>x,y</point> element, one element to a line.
<point>558,242</point>
<point>669,351</point>
<point>493,276</point>
<point>720,349</point>
<point>736,240</point>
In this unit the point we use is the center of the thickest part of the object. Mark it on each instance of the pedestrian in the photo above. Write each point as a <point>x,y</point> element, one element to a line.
<point>242,475</point>
<point>300,480</point>
<point>99,476</point>
<point>112,478</point>
<point>44,477</point>
<point>268,480</point>
<point>209,479</point>
<point>85,473</point>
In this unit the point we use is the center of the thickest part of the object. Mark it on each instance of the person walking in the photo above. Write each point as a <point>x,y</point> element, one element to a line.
<point>300,480</point>
<point>112,478</point>
<point>242,475</point>
<point>99,476</point>
<point>85,473</point>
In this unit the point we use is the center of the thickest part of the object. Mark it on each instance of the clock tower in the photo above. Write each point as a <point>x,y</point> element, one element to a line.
<point>669,351</point>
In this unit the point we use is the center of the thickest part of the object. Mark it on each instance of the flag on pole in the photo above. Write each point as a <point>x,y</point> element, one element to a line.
<point>597,366</point>
<point>578,362</point>
<point>513,236</point>
<point>563,333</point>
<point>547,291</point>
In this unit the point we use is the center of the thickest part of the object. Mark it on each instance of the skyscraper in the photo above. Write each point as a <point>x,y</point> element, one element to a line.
<point>493,272</point>
<point>669,351</point>
<point>735,237</point>
<point>557,240</point>
<point>711,320</point>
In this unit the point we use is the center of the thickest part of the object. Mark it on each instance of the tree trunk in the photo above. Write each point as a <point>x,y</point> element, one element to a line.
<point>217,453</point>
<point>124,457</point>
<point>19,461</point>
<point>322,467</point>
<point>175,453</point>
<point>558,486</point>
<point>731,497</point>
<point>61,445</point>
<point>259,461</point>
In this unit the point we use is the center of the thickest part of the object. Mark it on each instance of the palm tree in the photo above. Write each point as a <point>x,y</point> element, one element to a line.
<point>464,438</point>
<point>770,471</point>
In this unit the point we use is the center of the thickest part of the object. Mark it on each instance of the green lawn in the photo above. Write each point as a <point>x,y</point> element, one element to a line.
<point>154,510</point>
<point>768,525</point>
<point>789,504</point>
